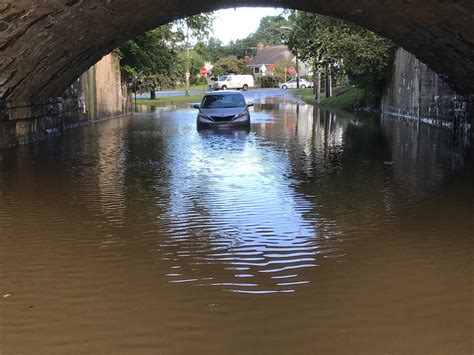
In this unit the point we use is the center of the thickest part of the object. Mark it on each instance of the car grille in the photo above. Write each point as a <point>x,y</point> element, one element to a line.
<point>223,119</point>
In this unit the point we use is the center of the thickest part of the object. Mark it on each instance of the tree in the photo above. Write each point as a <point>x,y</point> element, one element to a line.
<point>211,51</point>
<point>241,47</point>
<point>148,60</point>
<point>334,44</point>
<point>269,31</point>
<point>152,59</point>
<point>196,62</point>
<point>198,27</point>
<point>229,65</point>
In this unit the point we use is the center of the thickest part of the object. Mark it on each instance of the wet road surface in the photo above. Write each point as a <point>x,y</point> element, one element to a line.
<point>310,233</point>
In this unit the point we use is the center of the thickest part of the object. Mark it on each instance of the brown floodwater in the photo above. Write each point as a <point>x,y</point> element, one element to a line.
<point>310,233</point>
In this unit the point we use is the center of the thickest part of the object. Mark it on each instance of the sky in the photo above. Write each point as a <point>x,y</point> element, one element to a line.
<point>233,24</point>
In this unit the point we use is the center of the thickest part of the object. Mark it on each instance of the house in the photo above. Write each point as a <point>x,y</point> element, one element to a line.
<point>271,55</point>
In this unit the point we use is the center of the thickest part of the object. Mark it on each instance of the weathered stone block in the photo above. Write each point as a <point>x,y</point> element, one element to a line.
<point>415,91</point>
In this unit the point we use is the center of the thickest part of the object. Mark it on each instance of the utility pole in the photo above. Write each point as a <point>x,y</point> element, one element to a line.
<point>296,55</point>
<point>297,60</point>
<point>297,69</point>
<point>187,70</point>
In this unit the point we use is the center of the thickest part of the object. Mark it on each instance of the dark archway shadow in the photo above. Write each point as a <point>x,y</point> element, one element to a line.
<point>47,45</point>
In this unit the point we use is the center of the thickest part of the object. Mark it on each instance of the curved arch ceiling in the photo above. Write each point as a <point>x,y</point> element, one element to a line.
<point>46,44</point>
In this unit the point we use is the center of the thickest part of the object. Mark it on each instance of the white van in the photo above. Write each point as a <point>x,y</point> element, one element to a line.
<point>232,81</point>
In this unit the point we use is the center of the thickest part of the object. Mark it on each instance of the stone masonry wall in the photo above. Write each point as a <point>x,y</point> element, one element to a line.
<point>417,92</point>
<point>102,90</point>
<point>98,94</point>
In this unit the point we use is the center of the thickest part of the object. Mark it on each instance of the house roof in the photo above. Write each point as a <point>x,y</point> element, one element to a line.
<point>271,55</point>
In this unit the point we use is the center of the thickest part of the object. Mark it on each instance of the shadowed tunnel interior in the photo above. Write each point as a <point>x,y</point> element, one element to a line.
<point>47,44</point>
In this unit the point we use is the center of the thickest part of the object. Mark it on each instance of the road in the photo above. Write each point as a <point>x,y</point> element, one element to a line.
<point>309,232</point>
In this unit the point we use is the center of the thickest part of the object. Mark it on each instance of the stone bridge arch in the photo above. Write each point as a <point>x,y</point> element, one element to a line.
<point>46,44</point>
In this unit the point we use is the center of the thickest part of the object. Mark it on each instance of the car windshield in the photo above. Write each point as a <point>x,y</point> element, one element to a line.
<point>223,78</point>
<point>223,101</point>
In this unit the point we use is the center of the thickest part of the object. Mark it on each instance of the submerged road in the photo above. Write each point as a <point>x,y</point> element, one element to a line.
<point>309,233</point>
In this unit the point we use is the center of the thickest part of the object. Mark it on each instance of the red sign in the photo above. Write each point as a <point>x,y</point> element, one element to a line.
<point>203,71</point>
<point>272,68</point>
<point>292,70</point>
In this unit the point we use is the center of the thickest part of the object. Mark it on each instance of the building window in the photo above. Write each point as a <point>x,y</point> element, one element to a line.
<point>256,70</point>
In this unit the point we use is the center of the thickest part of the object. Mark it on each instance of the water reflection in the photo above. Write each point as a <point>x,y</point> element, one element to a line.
<point>238,213</point>
<point>148,224</point>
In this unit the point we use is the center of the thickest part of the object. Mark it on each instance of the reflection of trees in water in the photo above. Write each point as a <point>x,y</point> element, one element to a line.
<point>341,165</point>
<point>312,175</point>
<point>356,169</point>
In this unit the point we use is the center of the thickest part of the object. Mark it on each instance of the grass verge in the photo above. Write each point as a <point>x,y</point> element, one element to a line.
<point>342,99</point>
<point>168,100</point>
<point>191,88</point>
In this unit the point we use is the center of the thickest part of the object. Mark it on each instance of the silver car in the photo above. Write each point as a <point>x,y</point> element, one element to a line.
<point>223,110</point>
<point>291,84</point>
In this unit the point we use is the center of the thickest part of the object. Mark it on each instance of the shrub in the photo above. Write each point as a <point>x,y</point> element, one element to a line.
<point>269,81</point>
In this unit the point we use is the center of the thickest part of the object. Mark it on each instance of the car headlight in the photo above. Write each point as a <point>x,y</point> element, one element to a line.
<point>240,116</point>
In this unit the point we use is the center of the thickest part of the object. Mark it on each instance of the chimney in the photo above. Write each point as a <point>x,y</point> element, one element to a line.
<point>260,46</point>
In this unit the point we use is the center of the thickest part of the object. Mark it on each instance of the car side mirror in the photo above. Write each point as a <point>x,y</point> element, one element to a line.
<point>250,104</point>
<point>197,106</point>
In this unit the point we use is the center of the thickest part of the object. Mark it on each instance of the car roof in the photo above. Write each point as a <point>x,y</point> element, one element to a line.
<point>227,92</point>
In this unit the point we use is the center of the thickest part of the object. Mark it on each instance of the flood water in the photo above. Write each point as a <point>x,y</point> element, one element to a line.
<point>312,233</point>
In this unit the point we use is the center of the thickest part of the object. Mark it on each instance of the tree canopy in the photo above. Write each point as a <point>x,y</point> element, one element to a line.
<point>150,59</point>
<point>155,58</point>
<point>359,53</point>
<point>230,65</point>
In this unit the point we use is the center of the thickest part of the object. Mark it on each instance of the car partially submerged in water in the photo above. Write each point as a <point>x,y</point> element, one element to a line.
<point>223,110</point>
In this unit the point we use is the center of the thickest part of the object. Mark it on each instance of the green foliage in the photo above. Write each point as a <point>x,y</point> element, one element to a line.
<point>344,98</point>
<point>197,26</point>
<point>149,61</point>
<point>279,68</point>
<point>230,65</point>
<point>269,81</point>
<point>242,47</point>
<point>353,51</point>
<point>169,100</point>
<point>154,59</point>
<point>358,56</point>
<point>196,61</point>
<point>269,31</point>
<point>211,51</point>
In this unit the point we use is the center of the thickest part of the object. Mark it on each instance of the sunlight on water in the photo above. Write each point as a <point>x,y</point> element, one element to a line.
<point>144,235</point>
